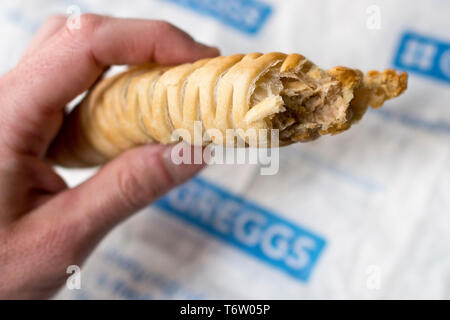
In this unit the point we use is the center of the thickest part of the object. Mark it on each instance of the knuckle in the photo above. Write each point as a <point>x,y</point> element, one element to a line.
<point>55,19</point>
<point>164,26</point>
<point>91,21</point>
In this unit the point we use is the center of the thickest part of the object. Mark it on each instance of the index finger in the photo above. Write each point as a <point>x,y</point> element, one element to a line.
<point>70,62</point>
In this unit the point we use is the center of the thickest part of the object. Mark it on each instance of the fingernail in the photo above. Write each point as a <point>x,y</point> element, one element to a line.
<point>214,51</point>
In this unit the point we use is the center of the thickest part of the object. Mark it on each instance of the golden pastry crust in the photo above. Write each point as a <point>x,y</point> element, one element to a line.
<point>241,94</point>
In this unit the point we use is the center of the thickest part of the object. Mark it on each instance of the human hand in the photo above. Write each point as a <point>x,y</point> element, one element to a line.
<point>44,226</point>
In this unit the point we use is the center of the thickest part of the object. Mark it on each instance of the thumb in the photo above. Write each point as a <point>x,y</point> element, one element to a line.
<point>65,229</point>
<point>123,186</point>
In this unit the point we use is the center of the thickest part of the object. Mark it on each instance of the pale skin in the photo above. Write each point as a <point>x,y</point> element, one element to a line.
<point>44,225</point>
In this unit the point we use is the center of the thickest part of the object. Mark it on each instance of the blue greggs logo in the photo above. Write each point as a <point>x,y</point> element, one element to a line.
<point>424,55</point>
<point>247,16</point>
<point>245,225</point>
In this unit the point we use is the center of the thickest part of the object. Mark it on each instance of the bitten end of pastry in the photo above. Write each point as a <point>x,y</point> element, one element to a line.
<point>281,94</point>
<point>313,102</point>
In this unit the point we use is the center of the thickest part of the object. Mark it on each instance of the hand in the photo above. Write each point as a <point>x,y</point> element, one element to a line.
<point>44,226</point>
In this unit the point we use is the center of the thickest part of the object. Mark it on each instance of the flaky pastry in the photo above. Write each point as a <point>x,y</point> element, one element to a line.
<point>272,92</point>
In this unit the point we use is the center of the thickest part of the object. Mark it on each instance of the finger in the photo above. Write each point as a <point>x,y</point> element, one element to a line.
<point>50,27</point>
<point>123,186</point>
<point>71,61</point>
